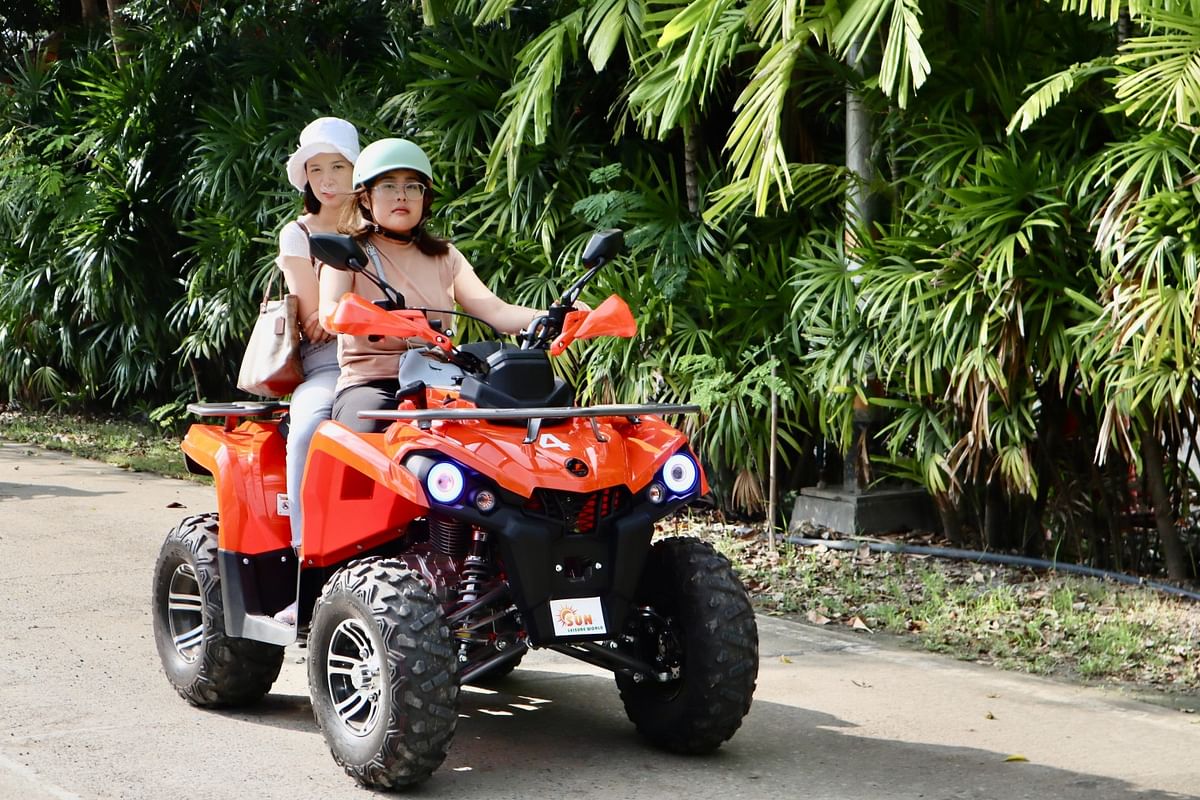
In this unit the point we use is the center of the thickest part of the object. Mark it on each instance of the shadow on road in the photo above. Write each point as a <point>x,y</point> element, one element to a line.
<point>23,491</point>
<point>537,726</point>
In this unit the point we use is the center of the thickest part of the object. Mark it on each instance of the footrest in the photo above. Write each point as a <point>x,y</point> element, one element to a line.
<point>236,408</point>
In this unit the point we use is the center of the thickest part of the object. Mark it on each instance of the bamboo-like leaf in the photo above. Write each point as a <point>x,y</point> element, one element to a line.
<point>1108,10</point>
<point>754,144</point>
<point>608,21</point>
<point>812,185</point>
<point>493,10</point>
<point>1046,93</point>
<point>683,72</point>
<point>903,66</point>
<point>698,13</point>
<point>1163,87</point>
<point>772,20</point>
<point>530,100</point>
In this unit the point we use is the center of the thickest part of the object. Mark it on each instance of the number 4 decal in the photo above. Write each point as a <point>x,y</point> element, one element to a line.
<point>549,440</point>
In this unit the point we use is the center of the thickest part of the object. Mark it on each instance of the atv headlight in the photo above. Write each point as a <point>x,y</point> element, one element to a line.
<point>681,474</point>
<point>445,482</point>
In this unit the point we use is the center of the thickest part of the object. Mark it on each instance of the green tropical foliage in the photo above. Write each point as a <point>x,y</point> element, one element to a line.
<point>1014,325</point>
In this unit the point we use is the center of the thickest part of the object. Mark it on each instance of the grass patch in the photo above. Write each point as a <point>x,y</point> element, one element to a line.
<point>1053,624</point>
<point>139,447</point>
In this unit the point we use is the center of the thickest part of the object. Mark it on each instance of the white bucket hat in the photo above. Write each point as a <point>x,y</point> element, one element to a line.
<point>324,135</point>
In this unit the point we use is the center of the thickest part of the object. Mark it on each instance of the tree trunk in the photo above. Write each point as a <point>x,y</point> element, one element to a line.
<point>116,27</point>
<point>859,144</point>
<point>691,147</point>
<point>995,517</point>
<point>1124,25</point>
<point>1101,526</point>
<point>951,521</point>
<point>1049,436</point>
<point>1164,516</point>
<point>89,11</point>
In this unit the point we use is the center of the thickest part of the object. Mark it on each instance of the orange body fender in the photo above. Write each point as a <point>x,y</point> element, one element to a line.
<point>249,469</point>
<point>355,496</point>
<point>624,454</point>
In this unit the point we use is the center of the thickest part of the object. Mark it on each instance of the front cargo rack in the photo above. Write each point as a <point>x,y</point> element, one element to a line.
<point>425,417</point>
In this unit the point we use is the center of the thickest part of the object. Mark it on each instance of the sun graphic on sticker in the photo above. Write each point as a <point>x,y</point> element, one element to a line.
<point>566,615</point>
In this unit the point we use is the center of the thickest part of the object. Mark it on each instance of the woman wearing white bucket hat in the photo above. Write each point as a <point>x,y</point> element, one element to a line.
<point>321,169</point>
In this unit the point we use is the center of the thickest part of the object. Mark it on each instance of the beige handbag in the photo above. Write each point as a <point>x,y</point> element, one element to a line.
<point>271,366</point>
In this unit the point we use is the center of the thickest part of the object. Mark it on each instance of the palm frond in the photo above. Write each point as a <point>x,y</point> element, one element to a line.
<point>1162,87</point>
<point>1046,93</point>
<point>695,47</point>
<point>754,144</point>
<point>530,101</point>
<point>609,22</point>
<point>903,66</point>
<point>1107,10</point>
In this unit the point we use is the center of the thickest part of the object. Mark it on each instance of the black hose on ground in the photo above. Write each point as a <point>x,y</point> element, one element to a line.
<point>956,554</point>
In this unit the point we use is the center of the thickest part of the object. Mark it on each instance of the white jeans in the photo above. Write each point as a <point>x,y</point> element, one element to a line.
<point>312,404</point>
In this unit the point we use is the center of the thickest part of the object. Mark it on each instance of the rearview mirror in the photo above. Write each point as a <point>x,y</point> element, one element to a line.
<point>603,247</point>
<point>338,251</point>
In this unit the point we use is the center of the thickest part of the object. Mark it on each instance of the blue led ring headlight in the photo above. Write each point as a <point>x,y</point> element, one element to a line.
<point>681,474</point>
<point>445,482</point>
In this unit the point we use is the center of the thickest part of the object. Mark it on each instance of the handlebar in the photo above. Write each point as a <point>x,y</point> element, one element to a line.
<point>544,329</point>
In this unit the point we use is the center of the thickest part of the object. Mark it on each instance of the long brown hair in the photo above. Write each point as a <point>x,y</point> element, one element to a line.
<point>357,221</point>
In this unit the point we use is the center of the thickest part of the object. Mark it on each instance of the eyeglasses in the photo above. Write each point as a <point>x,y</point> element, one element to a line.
<point>409,191</point>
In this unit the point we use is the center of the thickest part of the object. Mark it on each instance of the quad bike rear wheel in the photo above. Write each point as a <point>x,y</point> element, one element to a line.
<point>204,665</point>
<point>381,672</point>
<point>696,624</point>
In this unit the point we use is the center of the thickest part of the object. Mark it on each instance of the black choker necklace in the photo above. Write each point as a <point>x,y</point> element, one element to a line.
<point>403,238</point>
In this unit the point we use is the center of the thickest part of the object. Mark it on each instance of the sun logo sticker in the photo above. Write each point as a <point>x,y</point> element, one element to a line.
<point>578,616</point>
<point>569,616</point>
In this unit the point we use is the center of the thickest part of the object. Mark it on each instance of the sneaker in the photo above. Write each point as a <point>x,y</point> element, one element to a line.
<point>288,615</point>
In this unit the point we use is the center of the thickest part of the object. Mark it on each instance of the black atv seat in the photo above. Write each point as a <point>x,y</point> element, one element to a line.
<point>518,379</point>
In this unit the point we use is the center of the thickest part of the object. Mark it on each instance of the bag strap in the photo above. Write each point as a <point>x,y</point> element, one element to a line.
<point>311,258</point>
<point>270,285</point>
<point>374,254</point>
<point>275,272</point>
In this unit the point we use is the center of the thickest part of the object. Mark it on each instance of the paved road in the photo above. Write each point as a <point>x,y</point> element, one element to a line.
<point>86,713</point>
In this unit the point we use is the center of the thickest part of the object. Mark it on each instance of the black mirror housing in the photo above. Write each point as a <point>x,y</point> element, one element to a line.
<point>603,246</point>
<point>338,251</point>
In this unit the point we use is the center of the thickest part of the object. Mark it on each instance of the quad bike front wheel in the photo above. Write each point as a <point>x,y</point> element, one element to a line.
<point>696,624</point>
<point>381,671</point>
<point>204,665</point>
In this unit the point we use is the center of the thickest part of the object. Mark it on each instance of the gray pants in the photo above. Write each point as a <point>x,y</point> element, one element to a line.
<point>373,396</point>
<point>312,404</point>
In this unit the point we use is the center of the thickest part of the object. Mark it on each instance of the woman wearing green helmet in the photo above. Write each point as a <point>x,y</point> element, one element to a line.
<point>392,195</point>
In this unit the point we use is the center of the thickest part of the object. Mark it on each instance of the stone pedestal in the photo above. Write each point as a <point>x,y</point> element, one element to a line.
<point>869,511</point>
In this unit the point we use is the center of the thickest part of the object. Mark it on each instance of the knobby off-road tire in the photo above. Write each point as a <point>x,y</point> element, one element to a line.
<point>204,665</point>
<point>705,626</point>
<point>381,672</point>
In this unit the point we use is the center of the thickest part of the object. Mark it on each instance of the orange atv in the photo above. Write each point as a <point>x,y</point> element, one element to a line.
<point>492,516</point>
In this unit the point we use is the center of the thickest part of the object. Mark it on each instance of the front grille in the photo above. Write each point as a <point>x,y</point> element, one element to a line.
<point>579,512</point>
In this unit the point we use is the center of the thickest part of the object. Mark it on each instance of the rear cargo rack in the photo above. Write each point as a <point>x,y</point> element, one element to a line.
<point>236,408</point>
<point>633,413</point>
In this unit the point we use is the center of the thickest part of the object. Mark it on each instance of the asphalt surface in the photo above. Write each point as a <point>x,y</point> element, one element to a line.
<point>85,711</point>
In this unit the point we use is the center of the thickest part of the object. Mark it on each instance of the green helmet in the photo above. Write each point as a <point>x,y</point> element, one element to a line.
<point>386,155</point>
